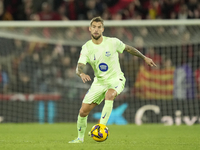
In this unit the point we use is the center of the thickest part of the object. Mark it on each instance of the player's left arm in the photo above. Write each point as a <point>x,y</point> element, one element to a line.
<point>137,53</point>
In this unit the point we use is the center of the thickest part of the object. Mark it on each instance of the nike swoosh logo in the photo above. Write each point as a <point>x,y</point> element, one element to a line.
<point>104,116</point>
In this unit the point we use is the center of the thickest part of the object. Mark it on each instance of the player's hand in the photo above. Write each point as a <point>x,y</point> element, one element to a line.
<point>85,77</point>
<point>150,62</point>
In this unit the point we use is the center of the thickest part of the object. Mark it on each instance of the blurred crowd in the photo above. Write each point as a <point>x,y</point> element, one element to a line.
<point>34,67</point>
<point>107,9</point>
<point>40,67</point>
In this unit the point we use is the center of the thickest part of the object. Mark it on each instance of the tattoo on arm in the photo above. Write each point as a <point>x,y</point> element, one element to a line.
<point>134,51</point>
<point>79,68</point>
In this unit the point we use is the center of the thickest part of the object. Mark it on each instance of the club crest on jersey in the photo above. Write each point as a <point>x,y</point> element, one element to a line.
<point>108,53</point>
<point>103,67</point>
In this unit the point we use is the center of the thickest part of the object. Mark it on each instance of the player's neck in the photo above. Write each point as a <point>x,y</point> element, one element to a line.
<point>99,41</point>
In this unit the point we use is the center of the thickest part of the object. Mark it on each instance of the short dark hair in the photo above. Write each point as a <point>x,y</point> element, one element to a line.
<point>96,19</point>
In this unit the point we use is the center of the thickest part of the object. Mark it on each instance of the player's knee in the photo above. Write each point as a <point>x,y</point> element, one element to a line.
<point>83,113</point>
<point>110,96</point>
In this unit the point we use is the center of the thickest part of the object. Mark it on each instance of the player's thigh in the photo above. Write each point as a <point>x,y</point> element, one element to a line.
<point>95,94</point>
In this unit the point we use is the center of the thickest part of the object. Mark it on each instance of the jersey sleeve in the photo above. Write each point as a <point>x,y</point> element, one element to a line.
<point>120,46</point>
<point>83,58</point>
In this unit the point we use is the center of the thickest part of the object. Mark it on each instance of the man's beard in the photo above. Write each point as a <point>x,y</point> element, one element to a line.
<point>96,38</point>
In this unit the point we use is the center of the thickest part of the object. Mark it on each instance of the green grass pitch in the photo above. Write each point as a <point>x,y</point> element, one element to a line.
<point>122,137</point>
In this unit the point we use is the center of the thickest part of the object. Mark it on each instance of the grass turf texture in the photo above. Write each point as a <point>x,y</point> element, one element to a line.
<point>125,137</point>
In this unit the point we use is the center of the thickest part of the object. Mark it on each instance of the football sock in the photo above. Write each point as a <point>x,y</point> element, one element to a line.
<point>107,109</point>
<point>81,126</point>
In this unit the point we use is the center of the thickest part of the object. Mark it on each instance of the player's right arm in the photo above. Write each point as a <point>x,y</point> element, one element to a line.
<point>83,59</point>
<point>81,74</point>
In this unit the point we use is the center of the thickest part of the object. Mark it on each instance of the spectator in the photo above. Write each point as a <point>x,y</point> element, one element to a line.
<point>173,15</point>
<point>23,84</point>
<point>192,5</point>
<point>196,14</point>
<point>198,7</point>
<point>183,82</point>
<point>63,12</point>
<point>76,9</point>
<point>133,11</point>
<point>73,53</point>
<point>19,47</point>
<point>194,9</point>
<point>14,8</point>
<point>129,11</point>
<point>3,80</point>
<point>91,9</point>
<point>70,82</point>
<point>4,14</point>
<point>154,10</point>
<point>183,13</point>
<point>70,33</point>
<point>122,33</point>
<point>6,46</point>
<point>30,64</point>
<point>34,17</point>
<point>117,16</point>
<point>19,54</point>
<point>167,64</point>
<point>167,8</point>
<point>65,65</point>
<point>46,74</point>
<point>57,54</point>
<point>28,11</point>
<point>47,13</point>
<point>197,81</point>
<point>106,14</point>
